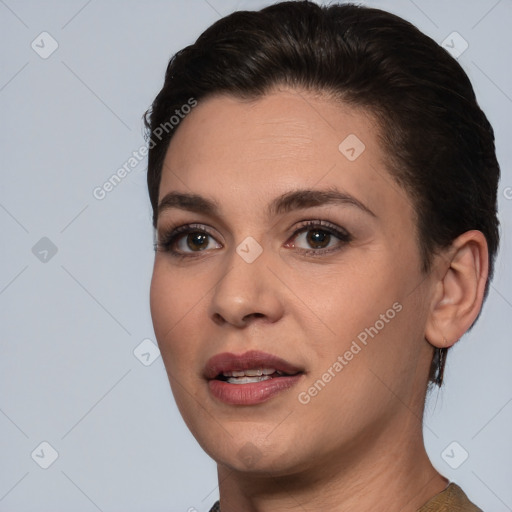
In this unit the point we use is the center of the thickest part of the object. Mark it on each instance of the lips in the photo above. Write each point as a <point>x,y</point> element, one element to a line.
<point>249,378</point>
<point>252,360</point>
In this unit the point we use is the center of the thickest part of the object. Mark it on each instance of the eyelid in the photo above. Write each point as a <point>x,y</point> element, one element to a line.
<point>323,224</point>
<point>167,237</point>
<point>342,234</point>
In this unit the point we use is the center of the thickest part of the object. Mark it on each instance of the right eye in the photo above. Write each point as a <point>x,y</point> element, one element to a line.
<point>186,240</point>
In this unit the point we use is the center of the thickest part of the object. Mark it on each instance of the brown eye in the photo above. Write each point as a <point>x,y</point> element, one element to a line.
<point>197,241</point>
<point>187,240</point>
<point>318,238</point>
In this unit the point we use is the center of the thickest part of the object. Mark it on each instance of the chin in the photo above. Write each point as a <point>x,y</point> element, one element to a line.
<point>250,448</point>
<point>254,459</point>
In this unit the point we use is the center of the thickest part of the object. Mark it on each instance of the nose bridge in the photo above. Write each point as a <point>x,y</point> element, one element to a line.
<point>246,290</point>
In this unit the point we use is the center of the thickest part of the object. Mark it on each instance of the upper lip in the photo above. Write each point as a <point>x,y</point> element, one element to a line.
<point>253,359</point>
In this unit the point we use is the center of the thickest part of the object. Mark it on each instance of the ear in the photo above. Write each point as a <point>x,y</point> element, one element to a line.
<point>458,293</point>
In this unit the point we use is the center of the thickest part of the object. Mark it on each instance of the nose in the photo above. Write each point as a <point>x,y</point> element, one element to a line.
<point>247,292</point>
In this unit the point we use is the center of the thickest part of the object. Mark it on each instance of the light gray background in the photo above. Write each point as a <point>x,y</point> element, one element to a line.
<point>70,324</point>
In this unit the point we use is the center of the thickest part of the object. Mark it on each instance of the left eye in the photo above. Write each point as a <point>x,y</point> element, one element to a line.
<point>315,238</point>
<point>318,237</point>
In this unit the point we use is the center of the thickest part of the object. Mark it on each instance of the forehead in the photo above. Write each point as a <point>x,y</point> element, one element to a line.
<point>244,151</point>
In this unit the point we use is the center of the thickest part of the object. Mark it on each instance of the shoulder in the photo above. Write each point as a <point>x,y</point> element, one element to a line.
<point>452,499</point>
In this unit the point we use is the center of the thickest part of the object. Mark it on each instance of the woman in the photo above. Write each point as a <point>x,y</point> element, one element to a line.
<point>323,186</point>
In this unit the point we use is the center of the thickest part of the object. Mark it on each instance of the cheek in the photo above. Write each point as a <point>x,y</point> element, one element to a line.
<point>342,301</point>
<point>161,302</point>
<point>173,304</point>
<point>365,311</point>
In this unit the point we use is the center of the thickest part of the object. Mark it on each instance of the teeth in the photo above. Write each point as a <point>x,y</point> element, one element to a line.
<point>247,380</point>
<point>256,372</point>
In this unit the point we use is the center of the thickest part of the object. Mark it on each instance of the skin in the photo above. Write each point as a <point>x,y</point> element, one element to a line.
<point>357,444</point>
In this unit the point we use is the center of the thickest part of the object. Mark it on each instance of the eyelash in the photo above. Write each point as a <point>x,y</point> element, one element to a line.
<point>169,238</point>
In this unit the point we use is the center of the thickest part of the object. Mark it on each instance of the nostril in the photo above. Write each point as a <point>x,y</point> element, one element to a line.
<point>254,315</point>
<point>236,320</point>
<point>217,318</point>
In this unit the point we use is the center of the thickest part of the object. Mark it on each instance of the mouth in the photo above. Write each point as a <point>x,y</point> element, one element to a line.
<point>250,378</point>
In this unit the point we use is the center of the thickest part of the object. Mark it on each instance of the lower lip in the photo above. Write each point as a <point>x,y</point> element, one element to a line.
<point>253,393</point>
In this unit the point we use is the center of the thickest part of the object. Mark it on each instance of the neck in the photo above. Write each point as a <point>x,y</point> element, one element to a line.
<point>392,473</point>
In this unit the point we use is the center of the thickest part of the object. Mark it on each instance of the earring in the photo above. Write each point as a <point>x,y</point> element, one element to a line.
<point>439,361</point>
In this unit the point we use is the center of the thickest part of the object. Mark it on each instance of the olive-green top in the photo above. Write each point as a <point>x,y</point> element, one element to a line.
<point>452,499</point>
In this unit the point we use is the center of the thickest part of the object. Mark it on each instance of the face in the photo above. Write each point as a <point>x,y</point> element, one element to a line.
<point>287,296</point>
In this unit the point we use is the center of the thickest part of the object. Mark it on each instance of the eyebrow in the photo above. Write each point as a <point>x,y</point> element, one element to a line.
<point>287,202</point>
